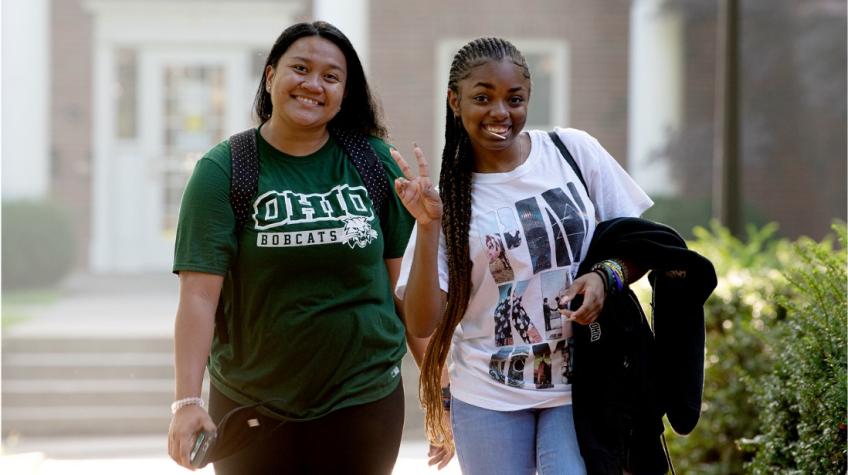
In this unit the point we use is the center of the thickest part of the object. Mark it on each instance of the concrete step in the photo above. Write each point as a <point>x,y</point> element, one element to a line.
<point>88,447</point>
<point>85,421</point>
<point>29,366</point>
<point>98,392</point>
<point>13,345</point>
<point>107,387</point>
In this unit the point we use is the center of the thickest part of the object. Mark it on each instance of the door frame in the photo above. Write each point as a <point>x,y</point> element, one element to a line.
<point>157,29</point>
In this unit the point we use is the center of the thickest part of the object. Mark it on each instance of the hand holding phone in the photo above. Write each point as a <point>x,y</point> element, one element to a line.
<point>202,448</point>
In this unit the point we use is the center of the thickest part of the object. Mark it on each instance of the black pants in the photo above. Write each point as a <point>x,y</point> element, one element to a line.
<point>361,439</point>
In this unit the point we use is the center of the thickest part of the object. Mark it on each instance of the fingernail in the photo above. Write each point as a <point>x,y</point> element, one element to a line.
<point>415,145</point>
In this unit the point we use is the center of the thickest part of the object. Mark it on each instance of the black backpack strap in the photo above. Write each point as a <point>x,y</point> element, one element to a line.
<point>370,169</point>
<point>568,158</point>
<point>244,180</point>
<point>244,183</point>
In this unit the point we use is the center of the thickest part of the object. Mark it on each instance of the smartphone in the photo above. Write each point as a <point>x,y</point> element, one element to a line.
<point>202,449</point>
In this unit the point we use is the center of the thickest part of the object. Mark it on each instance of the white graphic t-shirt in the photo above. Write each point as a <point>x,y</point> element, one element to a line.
<point>530,228</point>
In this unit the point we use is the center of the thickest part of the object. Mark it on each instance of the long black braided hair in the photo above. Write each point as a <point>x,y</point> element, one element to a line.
<point>455,191</point>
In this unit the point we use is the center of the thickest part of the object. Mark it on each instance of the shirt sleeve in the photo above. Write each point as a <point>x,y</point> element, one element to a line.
<point>206,239</point>
<point>613,191</point>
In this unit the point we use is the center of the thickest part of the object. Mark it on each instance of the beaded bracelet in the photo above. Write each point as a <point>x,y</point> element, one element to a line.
<point>188,401</point>
<point>614,272</point>
<point>622,270</point>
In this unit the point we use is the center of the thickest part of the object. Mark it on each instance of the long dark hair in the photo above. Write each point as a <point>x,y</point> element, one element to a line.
<point>359,112</point>
<point>455,190</point>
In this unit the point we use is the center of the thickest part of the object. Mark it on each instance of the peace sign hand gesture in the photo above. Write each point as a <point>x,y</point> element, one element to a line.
<point>418,194</point>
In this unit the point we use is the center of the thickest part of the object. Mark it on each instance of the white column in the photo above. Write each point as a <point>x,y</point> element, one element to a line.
<point>350,16</point>
<point>25,100</point>
<point>655,91</point>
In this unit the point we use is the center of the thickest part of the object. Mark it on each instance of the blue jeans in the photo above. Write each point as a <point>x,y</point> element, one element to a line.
<point>515,442</point>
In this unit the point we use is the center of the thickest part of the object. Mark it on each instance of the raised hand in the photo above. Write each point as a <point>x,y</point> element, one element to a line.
<point>417,193</point>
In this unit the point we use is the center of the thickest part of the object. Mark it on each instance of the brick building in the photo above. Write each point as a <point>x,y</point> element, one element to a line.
<point>137,90</point>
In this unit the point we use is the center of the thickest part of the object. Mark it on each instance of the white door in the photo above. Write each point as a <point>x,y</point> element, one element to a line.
<point>188,101</point>
<point>171,79</point>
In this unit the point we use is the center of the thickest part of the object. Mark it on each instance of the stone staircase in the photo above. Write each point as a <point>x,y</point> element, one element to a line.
<point>61,387</point>
<point>107,386</point>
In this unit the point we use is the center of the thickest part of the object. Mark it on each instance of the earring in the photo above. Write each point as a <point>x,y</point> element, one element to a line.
<point>267,87</point>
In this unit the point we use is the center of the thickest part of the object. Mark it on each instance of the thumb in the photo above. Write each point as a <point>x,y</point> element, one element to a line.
<point>208,425</point>
<point>400,184</point>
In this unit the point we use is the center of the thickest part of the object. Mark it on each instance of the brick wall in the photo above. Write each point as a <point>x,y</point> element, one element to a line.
<point>792,145</point>
<point>404,40</point>
<point>71,115</point>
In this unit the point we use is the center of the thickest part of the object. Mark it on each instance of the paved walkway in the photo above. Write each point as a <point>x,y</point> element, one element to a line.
<point>91,306</point>
<point>410,462</point>
<point>95,306</point>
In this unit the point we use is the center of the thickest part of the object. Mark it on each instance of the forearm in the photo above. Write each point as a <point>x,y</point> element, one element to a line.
<point>193,329</point>
<point>417,347</point>
<point>423,301</point>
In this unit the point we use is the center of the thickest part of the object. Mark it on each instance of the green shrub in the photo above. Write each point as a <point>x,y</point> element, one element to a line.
<point>775,366</point>
<point>802,402</point>
<point>38,244</point>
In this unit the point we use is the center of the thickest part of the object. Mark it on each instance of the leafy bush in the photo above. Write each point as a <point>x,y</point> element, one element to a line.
<point>802,401</point>
<point>774,386</point>
<point>38,244</point>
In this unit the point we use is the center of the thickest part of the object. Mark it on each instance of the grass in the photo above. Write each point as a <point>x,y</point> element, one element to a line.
<point>17,305</point>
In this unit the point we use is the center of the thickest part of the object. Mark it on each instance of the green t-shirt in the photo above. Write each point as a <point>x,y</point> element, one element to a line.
<point>316,328</point>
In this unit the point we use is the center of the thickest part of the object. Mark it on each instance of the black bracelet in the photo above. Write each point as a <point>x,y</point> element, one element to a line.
<point>446,397</point>
<point>603,276</point>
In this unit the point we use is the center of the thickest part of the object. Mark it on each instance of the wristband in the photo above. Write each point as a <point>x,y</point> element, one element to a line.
<point>188,401</point>
<point>622,269</point>
<point>603,277</point>
<point>446,398</point>
<point>615,282</point>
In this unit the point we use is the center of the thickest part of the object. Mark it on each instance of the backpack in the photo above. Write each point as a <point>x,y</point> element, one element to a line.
<point>568,158</point>
<point>244,179</point>
<point>244,184</point>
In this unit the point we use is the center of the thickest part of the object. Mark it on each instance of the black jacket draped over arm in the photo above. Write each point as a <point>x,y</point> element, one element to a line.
<point>628,375</point>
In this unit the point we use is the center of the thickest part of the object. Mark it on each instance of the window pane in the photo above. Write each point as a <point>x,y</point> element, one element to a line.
<point>195,114</point>
<point>540,108</point>
<point>126,92</point>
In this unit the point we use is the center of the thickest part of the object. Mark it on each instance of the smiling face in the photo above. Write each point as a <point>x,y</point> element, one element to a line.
<point>492,104</point>
<point>307,85</point>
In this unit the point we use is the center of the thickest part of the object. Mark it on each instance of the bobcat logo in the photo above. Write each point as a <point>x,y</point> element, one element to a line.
<point>357,231</point>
